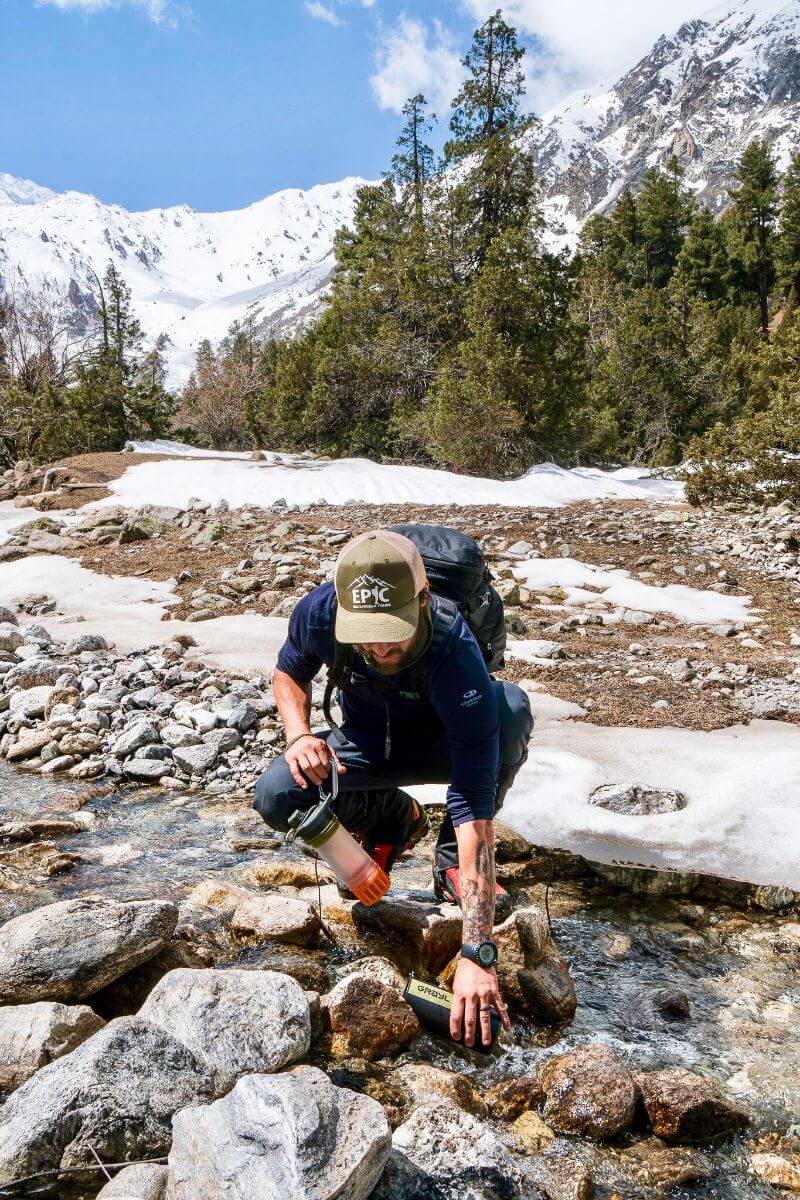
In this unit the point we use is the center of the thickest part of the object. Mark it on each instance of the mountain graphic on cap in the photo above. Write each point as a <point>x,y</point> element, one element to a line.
<point>366,581</point>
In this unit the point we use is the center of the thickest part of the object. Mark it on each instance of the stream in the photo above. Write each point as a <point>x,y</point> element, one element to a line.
<point>662,982</point>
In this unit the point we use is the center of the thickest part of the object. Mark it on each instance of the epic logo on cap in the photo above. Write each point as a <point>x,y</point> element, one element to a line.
<point>370,592</point>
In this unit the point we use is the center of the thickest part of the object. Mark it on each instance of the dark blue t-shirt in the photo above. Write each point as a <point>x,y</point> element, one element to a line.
<point>461,702</point>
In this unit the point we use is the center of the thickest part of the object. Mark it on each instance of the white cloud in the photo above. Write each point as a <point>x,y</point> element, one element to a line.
<point>585,41</point>
<point>156,10</point>
<point>321,12</point>
<point>413,57</point>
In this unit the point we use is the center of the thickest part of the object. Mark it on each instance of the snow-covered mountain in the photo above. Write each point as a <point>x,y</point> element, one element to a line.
<point>191,274</point>
<point>701,94</point>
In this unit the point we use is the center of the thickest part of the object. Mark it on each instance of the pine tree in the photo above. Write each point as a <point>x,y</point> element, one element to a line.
<point>413,161</point>
<point>753,221</point>
<point>703,263</point>
<point>487,128</point>
<point>663,210</point>
<point>787,249</point>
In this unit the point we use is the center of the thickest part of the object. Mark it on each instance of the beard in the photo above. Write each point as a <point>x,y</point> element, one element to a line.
<point>403,658</point>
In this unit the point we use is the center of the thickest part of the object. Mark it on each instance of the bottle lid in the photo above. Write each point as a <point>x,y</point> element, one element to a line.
<point>316,826</point>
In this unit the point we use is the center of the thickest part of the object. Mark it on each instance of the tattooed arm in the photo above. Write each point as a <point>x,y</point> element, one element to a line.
<point>476,987</point>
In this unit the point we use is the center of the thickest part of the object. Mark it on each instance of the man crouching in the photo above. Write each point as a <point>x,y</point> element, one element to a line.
<point>418,706</point>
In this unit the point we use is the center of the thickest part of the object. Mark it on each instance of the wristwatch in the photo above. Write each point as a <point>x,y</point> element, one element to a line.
<point>484,954</point>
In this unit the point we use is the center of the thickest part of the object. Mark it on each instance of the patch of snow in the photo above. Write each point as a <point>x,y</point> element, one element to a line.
<point>687,604</point>
<point>128,613</point>
<point>742,820</point>
<point>299,480</point>
<point>11,518</point>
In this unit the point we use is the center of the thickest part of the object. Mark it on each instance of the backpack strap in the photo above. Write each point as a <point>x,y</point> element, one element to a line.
<point>339,673</point>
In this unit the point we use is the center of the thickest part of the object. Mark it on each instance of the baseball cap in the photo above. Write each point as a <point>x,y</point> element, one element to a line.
<point>378,578</point>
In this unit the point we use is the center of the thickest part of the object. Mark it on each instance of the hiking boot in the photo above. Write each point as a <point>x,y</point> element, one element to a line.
<point>386,854</point>
<point>447,886</point>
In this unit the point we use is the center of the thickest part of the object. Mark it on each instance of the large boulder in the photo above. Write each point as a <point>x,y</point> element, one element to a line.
<point>365,1018</point>
<point>445,1153</point>
<point>423,937</point>
<point>145,1181</point>
<point>684,1107</point>
<point>33,1035</point>
<point>234,1022</point>
<point>589,1092</point>
<point>71,949</point>
<point>115,1094</point>
<point>294,1135</point>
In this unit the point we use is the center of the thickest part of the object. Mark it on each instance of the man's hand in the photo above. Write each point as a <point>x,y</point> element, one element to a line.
<point>310,759</point>
<point>475,989</point>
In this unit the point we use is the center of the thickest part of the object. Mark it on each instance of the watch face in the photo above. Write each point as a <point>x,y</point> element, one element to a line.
<point>487,954</point>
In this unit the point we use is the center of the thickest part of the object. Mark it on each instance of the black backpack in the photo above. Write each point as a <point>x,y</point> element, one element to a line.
<point>462,582</point>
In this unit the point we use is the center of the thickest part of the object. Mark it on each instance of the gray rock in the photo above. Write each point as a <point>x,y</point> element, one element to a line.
<point>10,637</point>
<point>234,1022</point>
<point>34,673</point>
<point>637,799</point>
<point>276,918</point>
<point>71,949</point>
<point>146,770</point>
<point>444,1152</point>
<point>540,648</point>
<point>634,616</point>
<point>174,734</point>
<point>242,718</point>
<point>33,1035</point>
<point>116,1093</point>
<point>291,1135</point>
<point>222,739</point>
<point>195,759</point>
<point>7,617</point>
<point>41,542</point>
<point>28,745</point>
<point>145,1181</point>
<point>143,733</point>
<point>31,702</point>
<point>87,642</point>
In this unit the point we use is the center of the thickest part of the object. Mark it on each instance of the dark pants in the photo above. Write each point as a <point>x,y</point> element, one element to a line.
<point>370,802</point>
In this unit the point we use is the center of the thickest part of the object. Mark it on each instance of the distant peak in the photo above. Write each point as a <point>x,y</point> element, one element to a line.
<point>22,191</point>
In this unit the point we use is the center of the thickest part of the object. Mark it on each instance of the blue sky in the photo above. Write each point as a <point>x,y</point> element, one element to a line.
<point>216,103</point>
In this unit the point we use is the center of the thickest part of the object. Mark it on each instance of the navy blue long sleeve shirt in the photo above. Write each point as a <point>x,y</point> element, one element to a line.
<point>461,702</point>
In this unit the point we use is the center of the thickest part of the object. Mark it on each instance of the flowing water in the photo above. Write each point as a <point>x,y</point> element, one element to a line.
<point>662,982</point>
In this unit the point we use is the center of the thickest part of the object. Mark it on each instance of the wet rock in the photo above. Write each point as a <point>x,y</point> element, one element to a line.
<point>779,1167</point>
<point>233,1022</point>
<point>774,899</point>
<point>423,937</point>
<point>562,1177</point>
<point>195,760</point>
<point>530,1133</point>
<point>684,1107</point>
<point>376,967</point>
<point>654,1164</point>
<point>145,1181</point>
<point>271,873</point>
<point>276,918</point>
<point>32,1035</point>
<point>508,1100</point>
<point>20,832</point>
<point>509,846</point>
<point>364,1018</point>
<point>670,1002</point>
<point>443,1152</point>
<point>422,1083</point>
<point>589,1092</point>
<point>218,894</point>
<point>293,1135</point>
<point>117,1092</point>
<point>70,949</point>
<point>533,976</point>
<point>637,799</point>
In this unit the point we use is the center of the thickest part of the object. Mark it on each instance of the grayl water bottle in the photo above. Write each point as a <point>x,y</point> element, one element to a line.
<point>322,831</point>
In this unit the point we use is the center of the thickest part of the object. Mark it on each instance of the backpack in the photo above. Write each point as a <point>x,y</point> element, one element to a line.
<point>462,582</point>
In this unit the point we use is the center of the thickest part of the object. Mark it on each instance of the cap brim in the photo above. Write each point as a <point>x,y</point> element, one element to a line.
<point>396,626</point>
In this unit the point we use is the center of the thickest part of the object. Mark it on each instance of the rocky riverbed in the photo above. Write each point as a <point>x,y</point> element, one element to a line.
<point>167,992</point>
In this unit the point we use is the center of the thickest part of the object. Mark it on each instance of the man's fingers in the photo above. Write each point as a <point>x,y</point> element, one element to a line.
<point>456,1013</point>
<point>336,759</point>
<point>297,774</point>
<point>470,1012</point>
<point>312,768</point>
<point>486,1026</point>
<point>501,1008</point>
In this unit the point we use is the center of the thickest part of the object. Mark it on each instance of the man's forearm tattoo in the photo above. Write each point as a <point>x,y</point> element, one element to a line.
<point>478,897</point>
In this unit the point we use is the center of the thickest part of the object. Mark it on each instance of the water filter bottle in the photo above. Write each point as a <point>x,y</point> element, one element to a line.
<point>322,832</point>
